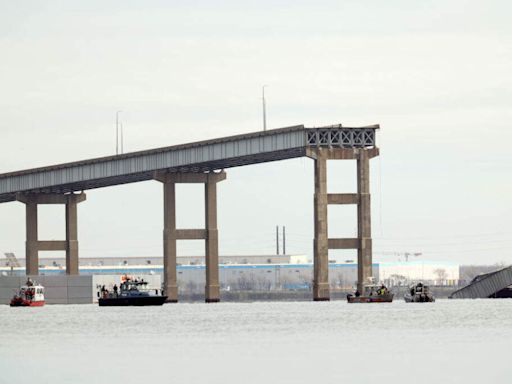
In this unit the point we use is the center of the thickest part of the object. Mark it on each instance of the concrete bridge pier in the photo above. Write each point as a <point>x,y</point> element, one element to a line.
<point>364,225</point>
<point>33,245</point>
<point>322,199</point>
<point>321,248</point>
<point>209,234</point>
<point>169,241</point>
<point>212,288</point>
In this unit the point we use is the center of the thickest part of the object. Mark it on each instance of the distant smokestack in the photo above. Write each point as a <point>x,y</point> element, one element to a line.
<point>284,240</point>
<point>277,239</point>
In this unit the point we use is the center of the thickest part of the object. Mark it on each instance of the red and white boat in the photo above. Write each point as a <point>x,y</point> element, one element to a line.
<point>29,295</point>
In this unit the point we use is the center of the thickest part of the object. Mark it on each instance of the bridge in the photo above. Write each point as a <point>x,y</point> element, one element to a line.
<point>204,162</point>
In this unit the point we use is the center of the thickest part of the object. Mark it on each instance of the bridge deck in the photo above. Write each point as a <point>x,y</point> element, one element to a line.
<point>203,156</point>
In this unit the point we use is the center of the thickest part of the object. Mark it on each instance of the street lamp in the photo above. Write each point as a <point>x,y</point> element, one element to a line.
<point>117,132</point>
<point>264,108</point>
<point>122,137</point>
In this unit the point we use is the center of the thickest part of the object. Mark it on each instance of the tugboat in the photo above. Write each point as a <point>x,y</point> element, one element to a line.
<point>372,294</point>
<point>29,295</point>
<point>419,293</point>
<point>130,292</point>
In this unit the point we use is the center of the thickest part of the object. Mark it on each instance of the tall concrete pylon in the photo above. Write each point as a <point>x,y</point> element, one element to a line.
<point>210,234</point>
<point>322,199</point>
<point>33,245</point>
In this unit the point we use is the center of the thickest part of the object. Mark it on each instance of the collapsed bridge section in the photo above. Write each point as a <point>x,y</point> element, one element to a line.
<point>495,284</point>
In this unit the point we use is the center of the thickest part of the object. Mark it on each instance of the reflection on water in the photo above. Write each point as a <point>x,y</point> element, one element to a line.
<point>303,342</point>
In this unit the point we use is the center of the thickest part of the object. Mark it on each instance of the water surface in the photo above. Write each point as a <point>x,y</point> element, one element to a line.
<point>466,341</point>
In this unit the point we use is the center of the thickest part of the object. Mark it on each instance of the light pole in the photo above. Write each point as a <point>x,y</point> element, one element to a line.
<point>122,138</point>
<point>117,132</point>
<point>264,108</point>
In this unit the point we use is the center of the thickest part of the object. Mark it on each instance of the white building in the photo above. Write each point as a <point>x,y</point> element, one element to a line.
<point>429,272</point>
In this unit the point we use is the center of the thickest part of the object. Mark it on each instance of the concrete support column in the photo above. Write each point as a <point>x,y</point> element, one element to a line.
<point>321,247</point>
<point>31,245</point>
<point>170,276</point>
<point>363,242</point>
<point>71,236</point>
<point>364,253</point>
<point>209,234</point>
<point>212,288</point>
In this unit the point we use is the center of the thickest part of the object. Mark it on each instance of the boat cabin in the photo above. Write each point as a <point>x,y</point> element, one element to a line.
<point>371,289</point>
<point>32,292</point>
<point>420,288</point>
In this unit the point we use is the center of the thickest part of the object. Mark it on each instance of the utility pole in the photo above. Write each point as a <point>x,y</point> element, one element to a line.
<point>264,109</point>
<point>117,132</point>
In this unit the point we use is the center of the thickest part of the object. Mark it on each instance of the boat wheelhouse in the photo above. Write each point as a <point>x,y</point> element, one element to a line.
<point>419,293</point>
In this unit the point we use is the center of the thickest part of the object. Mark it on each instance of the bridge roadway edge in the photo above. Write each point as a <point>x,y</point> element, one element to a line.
<point>204,156</point>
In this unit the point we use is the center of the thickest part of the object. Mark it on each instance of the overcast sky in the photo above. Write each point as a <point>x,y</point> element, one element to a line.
<point>435,75</point>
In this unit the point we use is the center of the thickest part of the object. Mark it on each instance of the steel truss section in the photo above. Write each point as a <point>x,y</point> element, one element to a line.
<point>341,137</point>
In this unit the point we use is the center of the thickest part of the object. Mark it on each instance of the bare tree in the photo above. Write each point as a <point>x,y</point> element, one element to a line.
<point>441,274</point>
<point>246,283</point>
<point>190,287</point>
<point>398,280</point>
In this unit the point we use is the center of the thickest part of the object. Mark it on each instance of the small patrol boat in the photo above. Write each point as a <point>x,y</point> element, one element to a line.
<point>131,292</point>
<point>372,294</point>
<point>29,295</point>
<point>419,293</point>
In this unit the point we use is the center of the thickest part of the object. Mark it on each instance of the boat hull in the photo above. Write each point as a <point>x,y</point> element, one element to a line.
<point>370,299</point>
<point>131,301</point>
<point>26,303</point>
<point>419,298</point>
